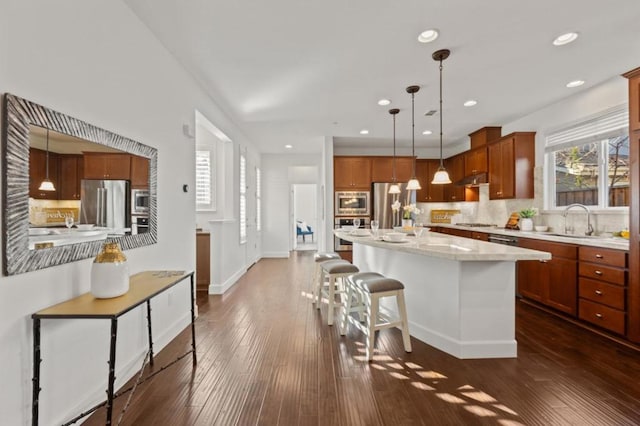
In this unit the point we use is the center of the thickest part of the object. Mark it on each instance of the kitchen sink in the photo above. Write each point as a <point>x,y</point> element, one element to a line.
<point>580,236</point>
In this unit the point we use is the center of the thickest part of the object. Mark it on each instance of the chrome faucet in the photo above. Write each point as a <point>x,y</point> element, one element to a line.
<point>566,211</point>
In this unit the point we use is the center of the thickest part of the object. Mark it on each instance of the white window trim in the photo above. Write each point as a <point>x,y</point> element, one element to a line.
<point>258,200</point>
<point>610,123</point>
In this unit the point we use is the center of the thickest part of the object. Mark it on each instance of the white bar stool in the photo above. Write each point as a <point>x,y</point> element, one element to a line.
<point>371,288</point>
<point>336,271</point>
<point>319,258</point>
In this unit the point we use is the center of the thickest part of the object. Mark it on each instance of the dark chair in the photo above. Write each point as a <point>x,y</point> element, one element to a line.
<point>304,230</point>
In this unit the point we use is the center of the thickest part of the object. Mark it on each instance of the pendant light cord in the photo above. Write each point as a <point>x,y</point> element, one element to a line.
<point>413,136</point>
<point>441,162</point>
<point>47,159</point>
<point>394,148</point>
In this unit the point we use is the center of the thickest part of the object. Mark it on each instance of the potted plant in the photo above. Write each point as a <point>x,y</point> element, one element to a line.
<point>526,221</point>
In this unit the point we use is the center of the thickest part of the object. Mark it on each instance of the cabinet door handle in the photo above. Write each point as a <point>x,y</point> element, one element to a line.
<point>598,272</point>
<point>598,292</point>
<point>599,316</point>
<point>542,261</point>
<point>599,256</point>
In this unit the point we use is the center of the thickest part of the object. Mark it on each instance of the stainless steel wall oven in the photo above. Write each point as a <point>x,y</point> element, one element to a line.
<point>344,245</point>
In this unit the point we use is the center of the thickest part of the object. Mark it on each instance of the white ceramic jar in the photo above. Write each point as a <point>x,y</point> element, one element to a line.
<point>109,272</point>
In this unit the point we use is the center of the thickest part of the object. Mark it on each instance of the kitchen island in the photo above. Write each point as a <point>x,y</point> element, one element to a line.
<point>460,293</point>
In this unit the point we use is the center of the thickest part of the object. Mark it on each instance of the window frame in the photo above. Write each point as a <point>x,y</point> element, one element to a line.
<point>242,202</point>
<point>599,128</point>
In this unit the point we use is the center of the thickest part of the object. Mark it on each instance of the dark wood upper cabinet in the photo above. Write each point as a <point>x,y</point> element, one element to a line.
<point>425,169</point>
<point>139,172</point>
<point>71,174</point>
<point>511,164</point>
<point>107,166</point>
<point>352,173</point>
<point>475,161</point>
<point>482,137</point>
<point>382,169</point>
<point>455,167</point>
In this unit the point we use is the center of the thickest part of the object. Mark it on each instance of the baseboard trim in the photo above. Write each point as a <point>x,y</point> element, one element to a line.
<point>276,254</point>
<point>228,283</point>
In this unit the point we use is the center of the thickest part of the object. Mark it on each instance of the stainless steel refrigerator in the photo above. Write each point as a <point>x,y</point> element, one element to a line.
<point>105,203</point>
<point>382,201</point>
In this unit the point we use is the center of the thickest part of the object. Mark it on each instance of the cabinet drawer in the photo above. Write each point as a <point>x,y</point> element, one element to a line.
<point>603,316</point>
<point>603,256</point>
<point>600,292</point>
<point>568,251</point>
<point>601,272</point>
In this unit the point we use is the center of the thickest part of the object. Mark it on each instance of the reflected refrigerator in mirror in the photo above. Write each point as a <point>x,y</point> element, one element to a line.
<point>106,203</point>
<point>382,200</point>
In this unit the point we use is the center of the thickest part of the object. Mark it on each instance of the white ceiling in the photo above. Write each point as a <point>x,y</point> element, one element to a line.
<point>295,71</point>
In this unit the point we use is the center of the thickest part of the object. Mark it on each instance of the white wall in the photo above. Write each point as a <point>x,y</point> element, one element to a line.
<point>279,172</point>
<point>97,62</point>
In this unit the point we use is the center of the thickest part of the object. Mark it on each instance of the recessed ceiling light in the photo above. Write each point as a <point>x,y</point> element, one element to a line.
<point>428,36</point>
<point>470,103</point>
<point>364,132</point>
<point>565,39</point>
<point>427,132</point>
<point>575,83</point>
<point>288,146</point>
<point>384,102</point>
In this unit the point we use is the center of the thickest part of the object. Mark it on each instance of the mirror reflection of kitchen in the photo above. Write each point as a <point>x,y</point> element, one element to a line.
<point>82,191</point>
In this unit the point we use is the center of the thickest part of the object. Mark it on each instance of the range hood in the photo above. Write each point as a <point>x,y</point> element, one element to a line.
<point>473,180</point>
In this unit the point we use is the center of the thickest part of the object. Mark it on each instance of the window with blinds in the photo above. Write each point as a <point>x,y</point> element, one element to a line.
<point>205,193</point>
<point>258,200</point>
<point>243,199</point>
<point>588,162</point>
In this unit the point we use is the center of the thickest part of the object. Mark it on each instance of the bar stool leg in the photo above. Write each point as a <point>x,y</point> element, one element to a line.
<point>402,311</point>
<point>373,302</point>
<point>332,297</point>
<point>347,309</point>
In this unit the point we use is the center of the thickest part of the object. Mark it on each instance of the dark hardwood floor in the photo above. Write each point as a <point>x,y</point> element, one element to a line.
<point>266,356</point>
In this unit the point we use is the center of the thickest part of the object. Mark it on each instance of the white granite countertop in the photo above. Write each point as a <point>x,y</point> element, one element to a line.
<point>594,241</point>
<point>448,247</point>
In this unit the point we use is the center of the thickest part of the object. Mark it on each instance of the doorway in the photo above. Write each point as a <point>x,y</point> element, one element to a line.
<point>305,216</point>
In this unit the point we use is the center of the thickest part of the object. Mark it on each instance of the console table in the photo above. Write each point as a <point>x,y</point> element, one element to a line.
<point>143,287</point>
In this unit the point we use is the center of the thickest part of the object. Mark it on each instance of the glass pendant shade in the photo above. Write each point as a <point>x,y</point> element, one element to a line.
<point>394,189</point>
<point>441,177</point>
<point>46,185</point>
<point>413,185</point>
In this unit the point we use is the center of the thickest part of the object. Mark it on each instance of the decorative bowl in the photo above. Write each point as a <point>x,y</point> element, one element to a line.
<point>395,236</point>
<point>347,228</point>
<point>84,226</point>
<point>542,228</point>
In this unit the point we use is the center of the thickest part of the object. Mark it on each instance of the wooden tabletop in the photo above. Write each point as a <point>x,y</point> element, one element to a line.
<point>142,287</point>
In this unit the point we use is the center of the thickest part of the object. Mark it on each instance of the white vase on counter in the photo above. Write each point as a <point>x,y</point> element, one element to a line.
<point>526,224</point>
<point>407,223</point>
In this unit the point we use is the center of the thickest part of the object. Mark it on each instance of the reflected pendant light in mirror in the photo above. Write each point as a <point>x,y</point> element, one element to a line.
<point>46,184</point>
<point>441,176</point>
<point>413,184</point>
<point>394,188</point>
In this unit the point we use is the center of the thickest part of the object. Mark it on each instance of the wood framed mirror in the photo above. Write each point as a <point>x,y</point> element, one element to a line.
<point>24,124</point>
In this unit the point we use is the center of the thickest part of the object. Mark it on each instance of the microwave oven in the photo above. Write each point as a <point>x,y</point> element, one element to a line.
<point>139,201</point>
<point>352,203</point>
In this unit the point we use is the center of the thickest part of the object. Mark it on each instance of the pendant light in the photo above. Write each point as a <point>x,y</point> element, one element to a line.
<point>46,184</point>
<point>394,188</point>
<point>413,183</point>
<point>441,176</point>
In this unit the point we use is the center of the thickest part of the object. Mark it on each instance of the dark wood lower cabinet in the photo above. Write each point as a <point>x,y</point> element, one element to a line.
<point>551,282</point>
